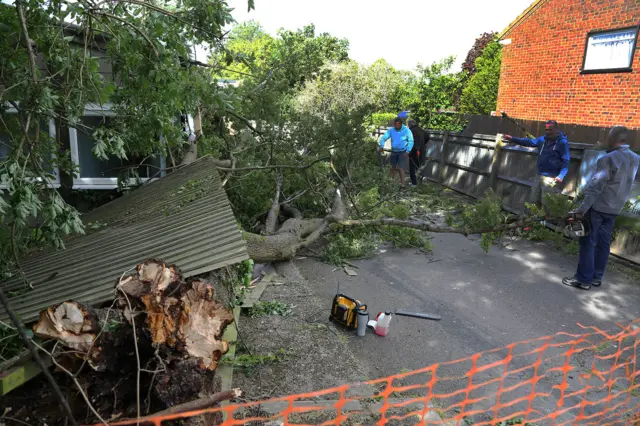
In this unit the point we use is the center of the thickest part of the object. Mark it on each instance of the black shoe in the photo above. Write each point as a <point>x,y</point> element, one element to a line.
<point>573,282</point>
<point>596,283</point>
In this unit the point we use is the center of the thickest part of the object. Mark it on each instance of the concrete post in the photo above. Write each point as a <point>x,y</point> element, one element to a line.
<point>495,163</point>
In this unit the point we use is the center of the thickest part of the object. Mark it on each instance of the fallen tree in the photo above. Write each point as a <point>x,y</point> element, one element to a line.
<point>297,233</point>
<point>161,337</point>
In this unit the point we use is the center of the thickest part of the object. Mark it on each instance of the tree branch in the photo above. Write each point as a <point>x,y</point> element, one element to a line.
<point>218,67</point>
<point>424,226</point>
<point>135,28</point>
<point>274,211</point>
<point>245,121</point>
<point>25,32</point>
<point>275,166</point>
<point>170,14</point>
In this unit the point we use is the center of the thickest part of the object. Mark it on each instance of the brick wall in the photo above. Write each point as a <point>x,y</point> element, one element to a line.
<point>540,77</point>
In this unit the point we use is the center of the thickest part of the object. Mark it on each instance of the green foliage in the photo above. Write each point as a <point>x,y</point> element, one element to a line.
<point>148,48</point>
<point>438,89</point>
<point>405,237</point>
<point>558,205</point>
<point>352,244</point>
<point>539,232</point>
<point>383,119</point>
<point>629,219</point>
<point>264,308</point>
<point>487,213</point>
<point>400,211</point>
<point>10,342</point>
<point>572,248</point>
<point>252,46</point>
<point>237,279</point>
<point>630,224</point>
<point>248,363</point>
<point>481,92</point>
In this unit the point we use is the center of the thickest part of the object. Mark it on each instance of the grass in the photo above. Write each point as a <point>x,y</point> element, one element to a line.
<point>572,248</point>
<point>633,273</point>
<point>273,307</point>
<point>602,347</point>
<point>248,363</point>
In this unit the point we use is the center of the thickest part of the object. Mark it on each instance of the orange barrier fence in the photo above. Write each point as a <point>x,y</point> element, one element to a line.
<point>563,379</point>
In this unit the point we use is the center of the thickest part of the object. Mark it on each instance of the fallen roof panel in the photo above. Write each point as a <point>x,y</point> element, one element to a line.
<point>183,218</point>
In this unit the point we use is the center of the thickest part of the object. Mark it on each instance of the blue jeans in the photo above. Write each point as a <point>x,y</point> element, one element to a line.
<point>594,248</point>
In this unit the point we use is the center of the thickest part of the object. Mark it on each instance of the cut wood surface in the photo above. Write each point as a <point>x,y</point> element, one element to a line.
<point>162,330</point>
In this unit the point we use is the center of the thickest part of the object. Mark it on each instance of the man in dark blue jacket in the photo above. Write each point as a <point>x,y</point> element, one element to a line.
<point>553,159</point>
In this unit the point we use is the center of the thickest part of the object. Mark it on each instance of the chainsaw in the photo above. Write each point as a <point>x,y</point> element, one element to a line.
<point>575,225</point>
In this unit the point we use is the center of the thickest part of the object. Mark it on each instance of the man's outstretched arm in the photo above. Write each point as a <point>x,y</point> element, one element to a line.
<point>522,141</point>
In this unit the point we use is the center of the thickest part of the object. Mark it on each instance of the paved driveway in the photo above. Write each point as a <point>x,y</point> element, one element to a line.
<point>487,301</point>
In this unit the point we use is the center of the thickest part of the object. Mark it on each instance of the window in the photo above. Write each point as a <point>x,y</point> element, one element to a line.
<point>610,51</point>
<point>95,173</point>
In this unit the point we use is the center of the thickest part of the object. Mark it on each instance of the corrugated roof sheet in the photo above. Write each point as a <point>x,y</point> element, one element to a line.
<point>184,218</point>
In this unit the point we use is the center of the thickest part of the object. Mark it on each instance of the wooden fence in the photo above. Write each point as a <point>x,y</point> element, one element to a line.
<point>486,124</point>
<point>473,164</point>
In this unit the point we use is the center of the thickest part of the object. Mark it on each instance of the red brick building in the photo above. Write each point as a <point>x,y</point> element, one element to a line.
<point>575,61</point>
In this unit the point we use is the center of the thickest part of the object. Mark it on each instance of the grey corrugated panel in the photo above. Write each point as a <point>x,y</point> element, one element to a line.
<point>184,218</point>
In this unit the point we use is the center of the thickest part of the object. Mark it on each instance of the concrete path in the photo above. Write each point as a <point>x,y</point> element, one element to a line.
<point>486,300</point>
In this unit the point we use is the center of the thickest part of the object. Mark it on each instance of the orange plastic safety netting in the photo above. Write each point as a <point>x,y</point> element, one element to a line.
<point>563,379</point>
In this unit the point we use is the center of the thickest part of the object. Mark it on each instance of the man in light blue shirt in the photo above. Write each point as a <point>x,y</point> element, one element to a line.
<point>604,198</point>
<point>401,144</point>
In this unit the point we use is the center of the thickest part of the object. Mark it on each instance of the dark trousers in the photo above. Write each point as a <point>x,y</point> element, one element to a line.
<point>415,162</point>
<point>594,248</point>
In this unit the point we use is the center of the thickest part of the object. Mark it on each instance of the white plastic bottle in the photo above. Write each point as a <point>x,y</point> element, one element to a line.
<point>382,326</point>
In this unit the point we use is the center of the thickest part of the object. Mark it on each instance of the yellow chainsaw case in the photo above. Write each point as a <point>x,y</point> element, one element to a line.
<point>344,310</point>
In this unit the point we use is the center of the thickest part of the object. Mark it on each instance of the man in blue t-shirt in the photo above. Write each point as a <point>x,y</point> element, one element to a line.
<point>401,144</point>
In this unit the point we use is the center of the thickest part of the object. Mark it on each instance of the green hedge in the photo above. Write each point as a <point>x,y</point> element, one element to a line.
<point>383,118</point>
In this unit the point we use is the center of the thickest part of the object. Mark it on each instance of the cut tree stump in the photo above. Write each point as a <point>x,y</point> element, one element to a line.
<point>181,333</point>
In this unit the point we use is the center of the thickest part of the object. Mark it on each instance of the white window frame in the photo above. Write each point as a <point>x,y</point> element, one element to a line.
<point>588,45</point>
<point>106,183</point>
<point>52,134</point>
